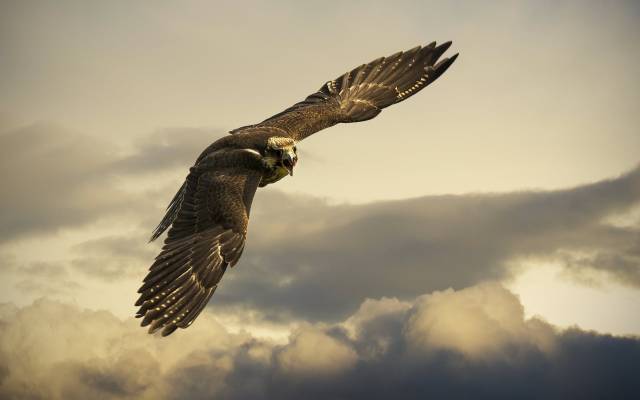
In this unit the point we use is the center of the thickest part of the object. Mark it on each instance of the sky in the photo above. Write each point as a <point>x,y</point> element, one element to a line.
<point>480,240</point>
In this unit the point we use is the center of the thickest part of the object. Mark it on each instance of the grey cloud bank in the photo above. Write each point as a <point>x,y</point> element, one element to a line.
<point>321,261</point>
<point>305,258</point>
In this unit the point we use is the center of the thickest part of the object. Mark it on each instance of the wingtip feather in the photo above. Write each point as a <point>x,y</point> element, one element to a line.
<point>445,46</point>
<point>168,330</point>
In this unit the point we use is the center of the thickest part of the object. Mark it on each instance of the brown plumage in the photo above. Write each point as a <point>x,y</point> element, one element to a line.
<point>208,216</point>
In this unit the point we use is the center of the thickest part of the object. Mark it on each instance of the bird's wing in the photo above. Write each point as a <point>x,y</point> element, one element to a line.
<point>206,238</point>
<point>362,93</point>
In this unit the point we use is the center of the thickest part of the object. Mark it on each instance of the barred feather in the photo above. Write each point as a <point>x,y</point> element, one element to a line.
<point>206,237</point>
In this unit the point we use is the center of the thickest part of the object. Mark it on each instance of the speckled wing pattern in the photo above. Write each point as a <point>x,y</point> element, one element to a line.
<point>207,219</point>
<point>206,237</point>
<point>361,93</point>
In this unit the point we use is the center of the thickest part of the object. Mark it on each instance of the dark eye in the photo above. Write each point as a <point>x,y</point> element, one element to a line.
<point>295,149</point>
<point>279,152</point>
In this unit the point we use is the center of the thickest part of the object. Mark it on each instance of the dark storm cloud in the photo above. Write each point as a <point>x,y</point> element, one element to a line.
<point>471,343</point>
<point>310,259</point>
<point>586,366</point>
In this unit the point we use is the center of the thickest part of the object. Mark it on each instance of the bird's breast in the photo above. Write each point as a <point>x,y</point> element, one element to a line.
<point>273,175</point>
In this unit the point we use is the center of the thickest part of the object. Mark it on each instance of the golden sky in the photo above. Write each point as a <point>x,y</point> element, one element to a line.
<point>494,218</point>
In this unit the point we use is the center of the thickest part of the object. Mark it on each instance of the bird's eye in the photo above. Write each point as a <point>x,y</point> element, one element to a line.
<point>295,149</point>
<point>279,152</point>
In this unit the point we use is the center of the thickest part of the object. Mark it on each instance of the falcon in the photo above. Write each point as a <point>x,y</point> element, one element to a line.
<point>208,217</point>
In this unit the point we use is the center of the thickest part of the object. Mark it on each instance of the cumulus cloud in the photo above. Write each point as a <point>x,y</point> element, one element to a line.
<point>480,321</point>
<point>473,342</point>
<point>56,350</point>
<point>313,352</point>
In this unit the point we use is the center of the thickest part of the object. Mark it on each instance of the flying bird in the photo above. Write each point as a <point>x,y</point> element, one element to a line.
<point>208,217</point>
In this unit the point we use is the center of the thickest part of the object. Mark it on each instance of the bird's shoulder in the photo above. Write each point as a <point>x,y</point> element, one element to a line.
<point>253,138</point>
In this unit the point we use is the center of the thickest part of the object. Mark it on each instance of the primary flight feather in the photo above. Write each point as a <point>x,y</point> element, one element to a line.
<point>208,216</point>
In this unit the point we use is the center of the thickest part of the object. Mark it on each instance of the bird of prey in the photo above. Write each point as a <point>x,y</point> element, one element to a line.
<point>209,214</point>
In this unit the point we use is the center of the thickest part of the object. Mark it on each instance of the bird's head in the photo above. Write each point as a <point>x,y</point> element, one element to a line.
<point>281,154</point>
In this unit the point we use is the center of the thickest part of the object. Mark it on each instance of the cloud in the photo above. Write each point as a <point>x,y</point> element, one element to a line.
<point>52,178</point>
<point>168,148</point>
<point>55,178</point>
<point>480,321</point>
<point>56,350</point>
<point>307,258</point>
<point>622,263</point>
<point>472,342</point>
<point>112,258</point>
<point>36,279</point>
<point>313,352</point>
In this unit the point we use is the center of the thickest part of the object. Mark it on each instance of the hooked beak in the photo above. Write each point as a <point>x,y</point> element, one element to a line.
<point>289,161</point>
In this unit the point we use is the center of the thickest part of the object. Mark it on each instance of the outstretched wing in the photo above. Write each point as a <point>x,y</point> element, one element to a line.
<point>206,237</point>
<point>362,93</point>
